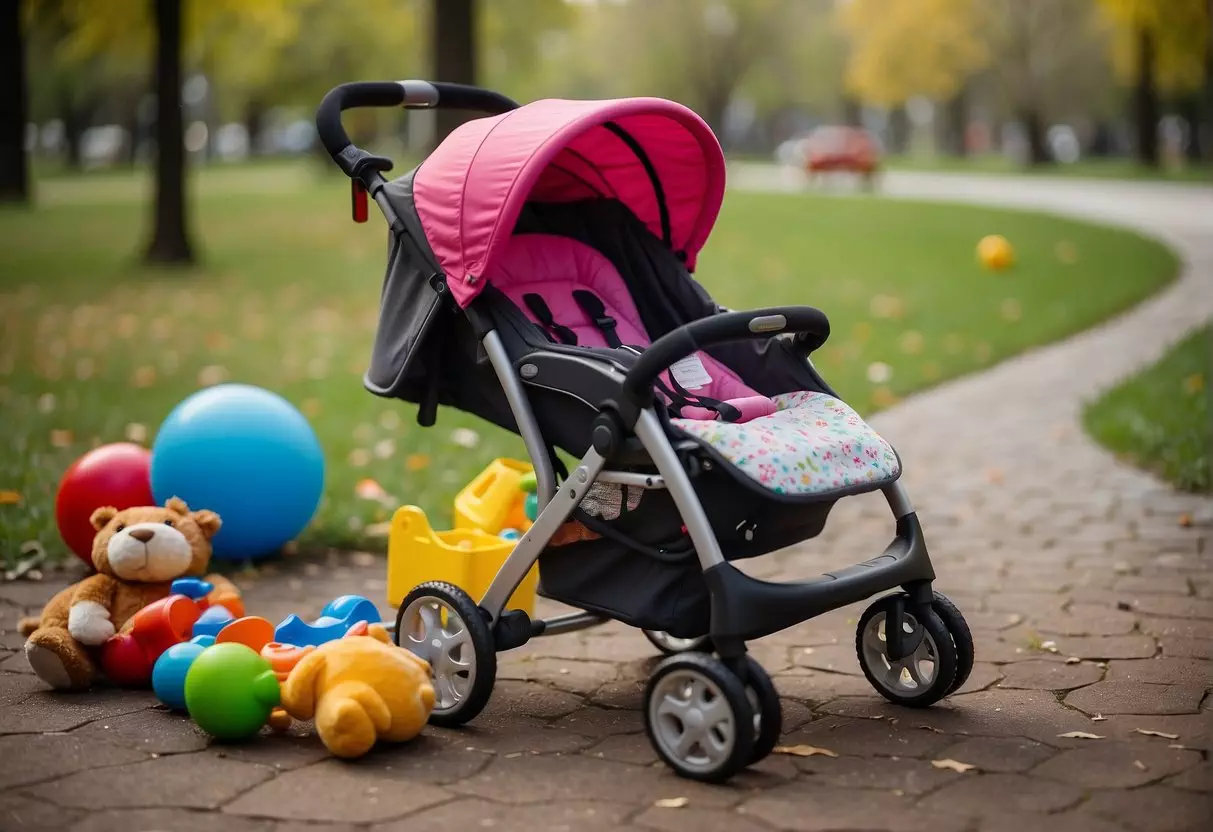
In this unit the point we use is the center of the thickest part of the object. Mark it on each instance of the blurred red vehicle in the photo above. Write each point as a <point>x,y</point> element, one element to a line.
<point>841,149</point>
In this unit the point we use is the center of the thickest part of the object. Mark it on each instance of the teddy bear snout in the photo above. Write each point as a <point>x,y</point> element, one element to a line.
<point>149,552</point>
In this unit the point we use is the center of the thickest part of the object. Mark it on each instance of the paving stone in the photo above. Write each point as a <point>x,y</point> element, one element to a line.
<point>836,658</point>
<point>601,722</point>
<point>868,737</point>
<point>983,675</point>
<point>625,748</point>
<point>1102,648</point>
<point>306,826</point>
<point>177,820</point>
<point>692,820</point>
<point>15,687</point>
<point>1157,809</point>
<point>43,710</point>
<point>803,807</point>
<point>625,693</point>
<point>197,781</point>
<point>578,677</point>
<point>1069,821</point>
<point>909,775</point>
<point>19,813</point>
<point>815,686</point>
<point>1192,730</point>
<point>1087,620</point>
<point>541,779</point>
<point>1174,606</point>
<point>15,662</point>
<point>531,699</point>
<point>1182,627</point>
<point>1044,674</point>
<point>31,758</point>
<point>1133,585</point>
<point>281,752</point>
<point>997,754</point>
<point>513,735</point>
<point>472,813</point>
<point>795,714</point>
<point>153,730</point>
<point>1163,670</point>
<point>336,791</point>
<point>1198,778</point>
<point>1195,648</point>
<point>1116,765</point>
<point>982,795</point>
<point>1124,697</point>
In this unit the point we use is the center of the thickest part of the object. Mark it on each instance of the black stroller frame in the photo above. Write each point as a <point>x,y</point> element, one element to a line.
<point>710,709</point>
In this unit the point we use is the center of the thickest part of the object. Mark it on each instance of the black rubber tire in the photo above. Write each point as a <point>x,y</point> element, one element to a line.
<point>484,649</point>
<point>945,655</point>
<point>704,644</point>
<point>733,692</point>
<point>961,637</point>
<point>770,710</point>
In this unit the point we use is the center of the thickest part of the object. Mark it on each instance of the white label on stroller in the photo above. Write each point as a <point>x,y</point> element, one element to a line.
<point>689,372</point>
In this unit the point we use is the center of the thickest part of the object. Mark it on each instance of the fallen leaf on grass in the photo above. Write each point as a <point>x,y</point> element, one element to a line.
<point>1194,383</point>
<point>136,432</point>
<point>10,498</point>
<point>465,437</point>
<point>144,377</point>
<point>671,802</point>
<point>1147,732</point>
<point>1139,764</point>
<point>879,372</point>
<point>1185,520</point>
<point>1099,718</point>
<point>61,438</point>
<point>953,765</point>
<point>1079,735</point>
<point>378,529</point>
<point>417,462</point>
<point>804,751</point>
<point>368,489</point>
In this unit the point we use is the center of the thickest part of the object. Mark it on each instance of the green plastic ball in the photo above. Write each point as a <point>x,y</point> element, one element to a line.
<point>528,483</point>
<point>230,690</point>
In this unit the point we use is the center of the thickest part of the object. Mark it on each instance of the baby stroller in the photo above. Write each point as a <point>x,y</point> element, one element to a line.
<point>539,276</point>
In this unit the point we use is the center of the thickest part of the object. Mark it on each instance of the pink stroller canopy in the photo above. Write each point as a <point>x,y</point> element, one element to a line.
<point>655,156</point>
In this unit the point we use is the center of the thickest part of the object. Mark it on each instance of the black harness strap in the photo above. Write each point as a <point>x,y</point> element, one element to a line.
<point>593,306</point>
<point>540,310</point>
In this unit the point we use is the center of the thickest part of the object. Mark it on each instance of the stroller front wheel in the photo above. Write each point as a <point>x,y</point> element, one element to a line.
<point>440,623</point>
<point>925,671</point>
<point>672,645</point>
<point>698,717</point>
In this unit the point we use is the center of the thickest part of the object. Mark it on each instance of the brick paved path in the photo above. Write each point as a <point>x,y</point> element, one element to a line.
<point>1090,597</point>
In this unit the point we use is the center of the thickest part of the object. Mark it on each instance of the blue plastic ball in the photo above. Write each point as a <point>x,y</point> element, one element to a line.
<point>510,534</point>
<point>247,454</point>
<point>168,674</point>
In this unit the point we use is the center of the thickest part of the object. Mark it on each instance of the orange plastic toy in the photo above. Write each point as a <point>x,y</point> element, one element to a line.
<point>128,657</point>
<point>252,631</point>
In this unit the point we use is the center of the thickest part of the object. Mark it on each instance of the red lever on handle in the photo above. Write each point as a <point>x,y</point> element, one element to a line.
<point>359,200</point>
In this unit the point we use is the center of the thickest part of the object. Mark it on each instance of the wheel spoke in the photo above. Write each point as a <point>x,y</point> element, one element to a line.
<point>672,707</point>
<point>716,712</point>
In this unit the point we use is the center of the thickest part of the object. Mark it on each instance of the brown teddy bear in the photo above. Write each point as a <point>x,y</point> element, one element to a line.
<point>137,553</point>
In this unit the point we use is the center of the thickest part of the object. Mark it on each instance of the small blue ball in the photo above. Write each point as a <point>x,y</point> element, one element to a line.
<point>510,534</point>
<point>168,675</point>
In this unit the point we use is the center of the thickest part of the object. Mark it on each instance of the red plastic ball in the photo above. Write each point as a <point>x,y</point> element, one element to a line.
<point>115,475</point>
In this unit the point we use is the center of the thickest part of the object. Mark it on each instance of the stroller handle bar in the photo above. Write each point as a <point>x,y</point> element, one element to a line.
<point>810,325</point>
<point>412,95</point>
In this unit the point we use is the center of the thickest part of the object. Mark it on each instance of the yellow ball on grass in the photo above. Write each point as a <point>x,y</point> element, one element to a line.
<point>995,253</point>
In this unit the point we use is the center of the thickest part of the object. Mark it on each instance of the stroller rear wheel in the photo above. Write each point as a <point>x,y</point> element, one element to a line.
<point>698,717</point>
<point>443,625</point>
<point>926,670</point>
<point>672,645</point>
<point>768,711</point>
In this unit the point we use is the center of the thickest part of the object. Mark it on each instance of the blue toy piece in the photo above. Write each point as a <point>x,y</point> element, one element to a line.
<point>335,619</point>
<point>510,534</point>
<point>192,588</point>
<point>205,641</point>
<point>246,454</point>
<point>168,674</point>
<point>212,620</point>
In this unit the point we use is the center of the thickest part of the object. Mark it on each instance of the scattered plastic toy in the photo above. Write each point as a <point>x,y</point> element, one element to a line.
<point>252,631</point>
<point>230,691</point>
<point>129,657</point>
<point>335,619</point>
<point>168,675</point>
<point>212,621</point>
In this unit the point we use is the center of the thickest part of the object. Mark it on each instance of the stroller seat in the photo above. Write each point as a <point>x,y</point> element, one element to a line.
<point>800,443</point>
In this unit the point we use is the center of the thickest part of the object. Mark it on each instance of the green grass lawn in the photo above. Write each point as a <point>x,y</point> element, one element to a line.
<point>95,348</point>
<point>1159,418</point>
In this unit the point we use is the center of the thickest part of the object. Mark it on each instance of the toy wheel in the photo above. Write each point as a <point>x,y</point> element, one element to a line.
<point>443,625</point>
<point>672,645</point>
<point>961,637</point>
<point>925,674</point>
<point>698,717</point>
<point>768,711</point>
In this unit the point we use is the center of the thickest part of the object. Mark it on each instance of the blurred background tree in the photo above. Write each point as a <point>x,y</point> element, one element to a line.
<point>1010,82</point>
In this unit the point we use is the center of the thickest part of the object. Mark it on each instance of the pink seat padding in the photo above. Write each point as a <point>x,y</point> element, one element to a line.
<point>553,267</point>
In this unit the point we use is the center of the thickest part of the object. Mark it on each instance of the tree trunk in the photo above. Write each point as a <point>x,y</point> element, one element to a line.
<point>14,166</point>
<point>254,124</point>
<point>1034,126</point>
<point>130,123</point>
<point>898,131</point>
<point>75,122</point>
<point>953,124</point>
<point>170,242</point>
<point>454,54</point>
<point>852,112</point>
<point>1189,109</point>
<point>1145,101</point>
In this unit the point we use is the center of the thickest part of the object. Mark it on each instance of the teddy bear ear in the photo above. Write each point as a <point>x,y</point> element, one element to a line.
<point>208,521</point>
<point>101,516</point>
<point>177,506</point>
